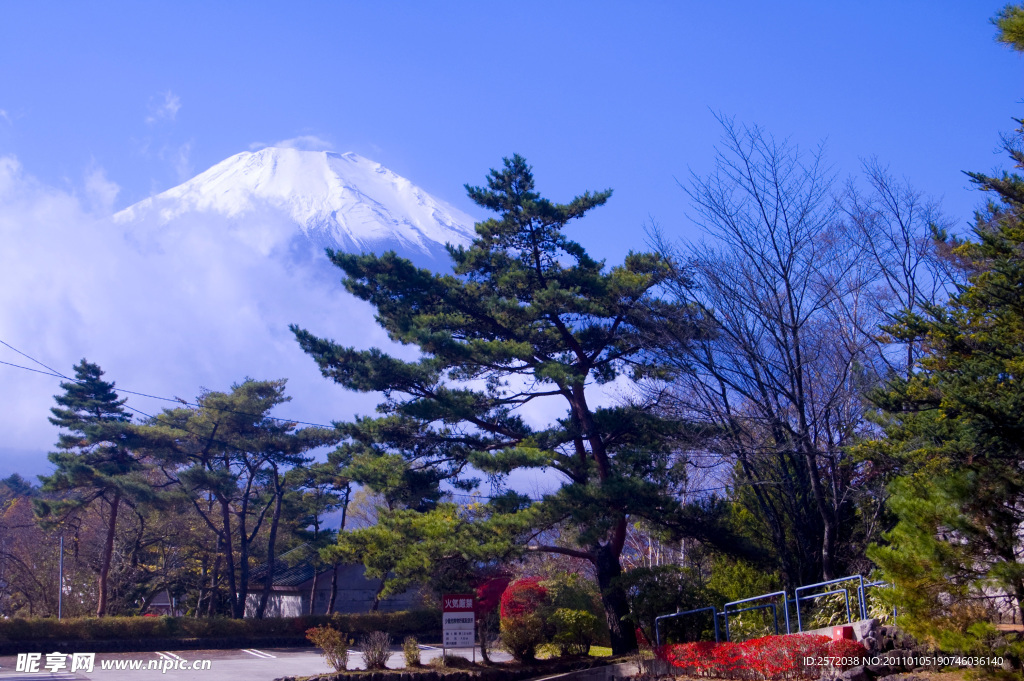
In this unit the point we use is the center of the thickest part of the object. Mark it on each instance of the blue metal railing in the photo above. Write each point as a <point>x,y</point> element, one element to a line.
<point>657,622</point>
<point>785,609</point>
<point>786,602</point>
<point>863,596</point>
<point>845,592</point>
<point>860,590</point>
<point>775,614</point>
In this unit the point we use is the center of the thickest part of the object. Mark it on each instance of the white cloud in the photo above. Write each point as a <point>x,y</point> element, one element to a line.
<point>180,158</point>
<point>99,190</point>
<point>302,142</point>
<point>164,309</point>
<point>164,106</point>
<point>4,115</point>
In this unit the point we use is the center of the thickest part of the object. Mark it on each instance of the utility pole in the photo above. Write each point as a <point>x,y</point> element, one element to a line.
<point>60,578</point>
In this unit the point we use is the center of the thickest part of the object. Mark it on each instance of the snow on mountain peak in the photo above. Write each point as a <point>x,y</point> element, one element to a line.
<point>342,201</point>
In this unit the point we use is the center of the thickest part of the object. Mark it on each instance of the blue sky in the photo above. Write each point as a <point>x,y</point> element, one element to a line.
<point>104,104</point>
<point>594,94</point>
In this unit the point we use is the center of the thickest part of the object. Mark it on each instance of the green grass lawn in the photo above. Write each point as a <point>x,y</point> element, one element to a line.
<point>549,651</point>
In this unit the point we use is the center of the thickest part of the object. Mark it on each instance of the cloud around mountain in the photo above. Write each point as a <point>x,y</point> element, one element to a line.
<point>175,296</point>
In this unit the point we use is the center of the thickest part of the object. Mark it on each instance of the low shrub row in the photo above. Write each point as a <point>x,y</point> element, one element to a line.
<point>418,622</point>
<point>797,656</point>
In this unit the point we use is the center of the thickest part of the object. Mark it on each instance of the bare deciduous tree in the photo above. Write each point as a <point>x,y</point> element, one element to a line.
<point>790,286</point>
<point>777,287</point>
<point>901,232</point>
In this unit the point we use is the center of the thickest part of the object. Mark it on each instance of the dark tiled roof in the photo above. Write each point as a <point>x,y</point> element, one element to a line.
<point>284,574</point>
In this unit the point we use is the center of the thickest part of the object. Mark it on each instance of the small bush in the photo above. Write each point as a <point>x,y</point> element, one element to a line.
<point>521,634</point>
<point>375,647</point>
<point>523,597</point>
<point>449,661</point>
<point>333,645</point>
<point>575,630</point>
<point>411,651</point>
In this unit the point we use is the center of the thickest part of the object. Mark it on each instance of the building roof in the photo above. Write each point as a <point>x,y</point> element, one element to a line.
<point>286,573</point>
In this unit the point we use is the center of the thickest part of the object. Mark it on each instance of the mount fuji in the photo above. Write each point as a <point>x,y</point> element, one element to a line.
<point>195,288</point>
<point>340,201</point>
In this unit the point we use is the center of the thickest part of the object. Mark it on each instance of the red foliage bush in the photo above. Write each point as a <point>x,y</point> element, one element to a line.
<point>844,648</point>
<point>488,594</point>
<point>770,657</point>
<point>641,640</point>
<point>523,597</point>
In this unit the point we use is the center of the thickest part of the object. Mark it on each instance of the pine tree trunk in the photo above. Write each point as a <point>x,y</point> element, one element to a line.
<point>334,573</point>
<point>483,630</point>
<point>376,596</point>
<point>334,590</point>
<point>271,548</point>
<point>312,591</point>
<point>237,595</point>
<point>214,594</point>
<point>616,606</point>
<point>148,600</point>
<point>108,554</point>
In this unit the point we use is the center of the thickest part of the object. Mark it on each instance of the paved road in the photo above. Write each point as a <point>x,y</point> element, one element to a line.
<point>224,665</point>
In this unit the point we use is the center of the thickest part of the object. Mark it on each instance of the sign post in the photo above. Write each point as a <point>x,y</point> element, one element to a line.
<point>458,622</point>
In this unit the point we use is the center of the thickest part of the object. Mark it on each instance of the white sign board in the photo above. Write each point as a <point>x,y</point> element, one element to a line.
<point>458,629</point>
<point>458,621</point>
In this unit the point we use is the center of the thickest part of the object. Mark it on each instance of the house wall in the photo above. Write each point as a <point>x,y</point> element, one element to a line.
<point>278,605</point>
<point>355,594</point>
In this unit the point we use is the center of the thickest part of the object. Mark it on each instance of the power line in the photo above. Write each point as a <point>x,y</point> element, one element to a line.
<point>44,373</point>
<point>57,374</point>
<point>53,372</point>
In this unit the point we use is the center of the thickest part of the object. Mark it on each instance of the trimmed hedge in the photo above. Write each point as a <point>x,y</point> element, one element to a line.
<point>398,624</point>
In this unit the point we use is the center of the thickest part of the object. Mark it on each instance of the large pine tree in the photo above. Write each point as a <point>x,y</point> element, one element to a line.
<point>95,462</point>
<point>526,316</point>
<point>956,436</point>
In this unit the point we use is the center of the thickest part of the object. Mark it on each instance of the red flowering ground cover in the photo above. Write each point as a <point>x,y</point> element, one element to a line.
<point>770,657</point>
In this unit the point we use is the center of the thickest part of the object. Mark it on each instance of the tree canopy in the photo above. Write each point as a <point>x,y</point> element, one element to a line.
<point>525,317</point>
<point>95,463</point>
<point>955,432</point>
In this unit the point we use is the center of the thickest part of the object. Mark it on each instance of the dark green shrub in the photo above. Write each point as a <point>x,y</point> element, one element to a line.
<point>575,630</point>
<point>417,622</point>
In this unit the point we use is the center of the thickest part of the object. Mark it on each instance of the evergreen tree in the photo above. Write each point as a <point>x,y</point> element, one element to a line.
<point>1010,22</point>
<point>526,316</point>
<point>228,458</point>
<point>95,462</point>
<point>318,490</point>
<point>956,437</point>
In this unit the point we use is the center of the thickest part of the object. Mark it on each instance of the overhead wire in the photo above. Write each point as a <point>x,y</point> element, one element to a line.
<point>177,400</point>
<point>56,374</point>
<point>50,371</point>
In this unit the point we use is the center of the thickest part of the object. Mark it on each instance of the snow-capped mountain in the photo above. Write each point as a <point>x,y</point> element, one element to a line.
<point>340,201</point>
<point>195,288</point>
